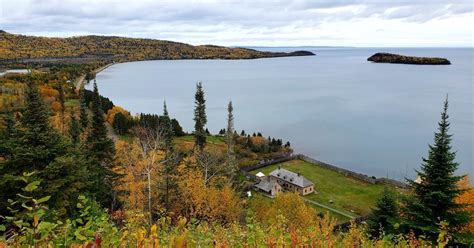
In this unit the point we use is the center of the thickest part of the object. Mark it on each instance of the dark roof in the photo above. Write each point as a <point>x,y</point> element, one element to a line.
<point>291,177</point>
<point>266,184</point>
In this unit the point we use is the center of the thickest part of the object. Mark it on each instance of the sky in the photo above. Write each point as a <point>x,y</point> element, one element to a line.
<point>382,23</point>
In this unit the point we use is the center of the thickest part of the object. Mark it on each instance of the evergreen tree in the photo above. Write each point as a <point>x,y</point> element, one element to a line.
<point>200,118</point>
<point>74,129</point>
<point>62,102</point>
<point>100,150</point>
<point>120,123</point>
<point>6,135</point>
<point>433,200</point>
<point>83,116</point>
<point>384,216</point>
<point>171,160</point>
<point>167,128</point>
<point>231,163</point>
<point>36,147</point>
<point>177,129</point>
<point>242,133</point>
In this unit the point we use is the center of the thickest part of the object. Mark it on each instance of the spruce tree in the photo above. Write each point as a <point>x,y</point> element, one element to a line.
<point>167,128</point>
<point>433,199</point>
<point>231,163</point>
<point>384,216</point>
<point>100,150</point>
<point>62,102</point>
<point>37,147</point>
<point>83,116</point>
<point>74,129</point>
<point>171,159</point>
<point>200,118</point>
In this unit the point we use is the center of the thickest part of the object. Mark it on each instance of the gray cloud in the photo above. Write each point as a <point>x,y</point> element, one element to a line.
<point>254,22</point>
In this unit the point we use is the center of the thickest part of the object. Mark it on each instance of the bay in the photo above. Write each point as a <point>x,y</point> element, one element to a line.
<point>372,118</point>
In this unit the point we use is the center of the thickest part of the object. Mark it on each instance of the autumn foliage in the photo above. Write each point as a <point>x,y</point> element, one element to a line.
<point>467,198</point>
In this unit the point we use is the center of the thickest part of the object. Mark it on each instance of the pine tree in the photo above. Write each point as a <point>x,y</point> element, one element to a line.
<point>384,216</point>
<point>200,118</point>
<point>171,159</point>
<point>100,150</point>
<point>6,135</point>
<point>83,116</point>
<point>231,163</point>
<point>433,200</point>
<point>167,128</point>
<point>74,129</point>
<point>36,147</point>
<point>63,105</point>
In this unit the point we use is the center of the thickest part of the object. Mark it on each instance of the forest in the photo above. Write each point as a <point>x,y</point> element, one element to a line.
<point>22,48</point>
<point>78,171</point>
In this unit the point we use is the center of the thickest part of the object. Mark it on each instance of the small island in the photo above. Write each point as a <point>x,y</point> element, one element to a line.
<point>402,59</point>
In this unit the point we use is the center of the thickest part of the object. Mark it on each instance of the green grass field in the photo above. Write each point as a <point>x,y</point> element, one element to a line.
<point>348,195</point>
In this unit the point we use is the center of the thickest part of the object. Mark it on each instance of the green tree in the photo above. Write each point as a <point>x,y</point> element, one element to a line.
<point>37,147</point>
<point>100,150</point>
<point>62,102</point>
<point>171,160</point>
<point>200,118</point>
<point>83,116</point>
<point>384,216</point>
<point>231,162</point>
<point>74,129</point>
<point>177,129</point>
<point>167,128</point>
<point>120,123</point>
<point>433,200</point>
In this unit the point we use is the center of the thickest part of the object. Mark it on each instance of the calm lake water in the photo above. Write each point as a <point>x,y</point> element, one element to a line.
<point>376,119</point>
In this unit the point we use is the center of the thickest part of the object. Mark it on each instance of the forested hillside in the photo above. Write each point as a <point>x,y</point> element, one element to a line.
<point>13,46</point>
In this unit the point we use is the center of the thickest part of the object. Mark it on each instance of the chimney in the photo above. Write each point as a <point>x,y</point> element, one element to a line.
<point>299,174</point>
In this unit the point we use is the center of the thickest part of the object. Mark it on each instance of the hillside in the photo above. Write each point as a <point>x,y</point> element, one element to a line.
<point>36,49</point>
<point>402,59</point>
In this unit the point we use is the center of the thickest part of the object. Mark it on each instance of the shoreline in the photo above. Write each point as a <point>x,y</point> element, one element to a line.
<point>79,82</point>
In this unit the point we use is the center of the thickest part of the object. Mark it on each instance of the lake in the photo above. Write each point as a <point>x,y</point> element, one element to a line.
<point>336,107</point>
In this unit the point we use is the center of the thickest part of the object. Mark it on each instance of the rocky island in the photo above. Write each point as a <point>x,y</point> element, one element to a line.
<point>402,59</point>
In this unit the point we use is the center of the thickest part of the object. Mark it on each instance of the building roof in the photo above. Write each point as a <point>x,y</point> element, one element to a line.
<point>260,174</point>
<point>291,177</point>
<point>266,184</point>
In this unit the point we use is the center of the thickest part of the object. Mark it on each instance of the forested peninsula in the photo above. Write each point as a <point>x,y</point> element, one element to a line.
<point>23,48</point>
<point>402,59</point>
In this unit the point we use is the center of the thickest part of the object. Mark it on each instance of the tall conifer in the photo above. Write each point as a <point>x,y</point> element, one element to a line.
<point>200,118</point>
<point>83,116</point>
<point>100,150</point>
<point>384,216</point>
<point>433,200</point>
<point>230,132</point>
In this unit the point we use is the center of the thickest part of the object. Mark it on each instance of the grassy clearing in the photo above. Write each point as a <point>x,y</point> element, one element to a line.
<point>186,142</point>
<point>348,194</point>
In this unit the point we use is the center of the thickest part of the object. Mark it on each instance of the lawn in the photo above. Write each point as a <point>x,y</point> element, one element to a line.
<point>347,194</point>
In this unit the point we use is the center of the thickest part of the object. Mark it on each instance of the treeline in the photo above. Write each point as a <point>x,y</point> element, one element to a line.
<point>30,48</point>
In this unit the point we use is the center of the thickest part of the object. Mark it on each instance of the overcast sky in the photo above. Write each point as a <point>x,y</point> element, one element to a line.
<point>253,22</point>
